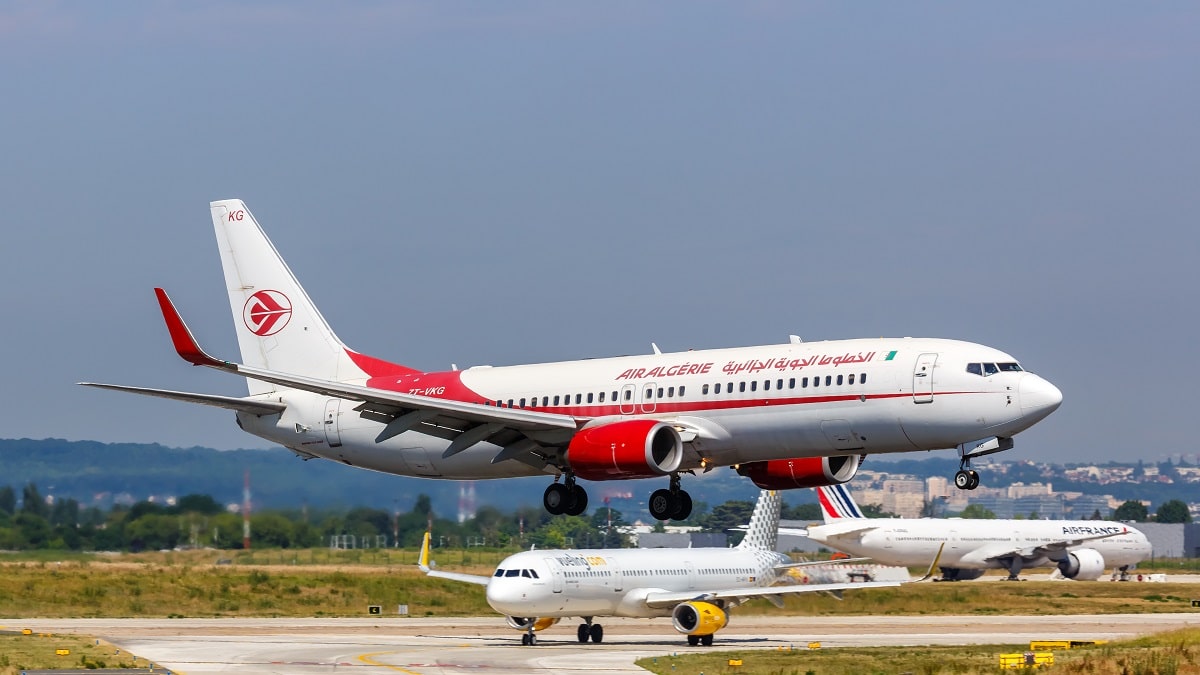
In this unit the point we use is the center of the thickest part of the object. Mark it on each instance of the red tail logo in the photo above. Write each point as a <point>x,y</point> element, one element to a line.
<point>267,312</point>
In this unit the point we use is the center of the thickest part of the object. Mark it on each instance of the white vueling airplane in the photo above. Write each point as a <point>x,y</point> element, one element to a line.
<point>789,415</point>
<point>1080,549</point>
<point>696,587</point>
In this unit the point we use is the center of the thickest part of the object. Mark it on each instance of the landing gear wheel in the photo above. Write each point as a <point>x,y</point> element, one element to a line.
<point>597,632</point>
<point>556,498</point>
<point>683,506</point>
<point>693,640</point>
<point>582,632</point>
<point>662,506</point>
<point>974,476</point>
<point>706,640</point>
<point>577,501</point>
<point>526,639</point>
<point>962,480</point>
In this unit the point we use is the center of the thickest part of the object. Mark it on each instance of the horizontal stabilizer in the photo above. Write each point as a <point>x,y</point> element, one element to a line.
<point>229,402</point>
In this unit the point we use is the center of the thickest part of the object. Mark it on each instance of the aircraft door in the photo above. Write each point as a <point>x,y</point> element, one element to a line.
<point>628,392</point>
<point>556,575</point>
<point>333,435</point>
<point>648,402</point>
<point>923,378</point>
<point>617,574</point>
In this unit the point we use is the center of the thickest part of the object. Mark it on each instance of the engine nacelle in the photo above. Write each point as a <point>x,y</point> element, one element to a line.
<point>959,573</point>
<point>625,449</point>
<point>524,622</point>
<point>698,618</point>
<point>804,472</point>
<point>1082,564</point>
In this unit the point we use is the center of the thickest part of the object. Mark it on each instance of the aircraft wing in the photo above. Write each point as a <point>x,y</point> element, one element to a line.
<point>1051,549</point>
<point>253,406</point>
<point>739,595</point>
<point>423,565</point>
<point>812,563</point>
<point>464,424</point>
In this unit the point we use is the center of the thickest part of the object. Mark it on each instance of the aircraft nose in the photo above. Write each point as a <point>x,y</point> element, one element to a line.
<point>1038,397</point>
<point>504,598</point>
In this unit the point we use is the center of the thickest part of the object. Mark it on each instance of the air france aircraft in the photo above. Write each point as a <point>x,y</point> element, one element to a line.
<point>1080,549</point>
<point>696,587</point>
<point>786,415</point>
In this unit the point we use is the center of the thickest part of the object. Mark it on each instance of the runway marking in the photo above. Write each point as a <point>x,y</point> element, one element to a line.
<point>367,659</point>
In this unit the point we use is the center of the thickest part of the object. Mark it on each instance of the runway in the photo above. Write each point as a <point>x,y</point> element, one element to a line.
<point>486,644</point>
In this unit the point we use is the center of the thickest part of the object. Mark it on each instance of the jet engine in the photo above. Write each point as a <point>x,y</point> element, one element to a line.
<point>959,573</point>
<point>805,472</point>
<point>698,618</point>
<point>625,449</point>
<point>1082,564</point>
<point>524,622</point>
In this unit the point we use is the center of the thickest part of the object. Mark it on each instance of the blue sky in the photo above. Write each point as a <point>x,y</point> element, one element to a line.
<point>532,181</point>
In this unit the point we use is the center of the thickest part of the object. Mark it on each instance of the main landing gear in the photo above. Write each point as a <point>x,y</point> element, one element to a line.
<point>705,640</point>
<point>567,497</point>
<point>590,630</point>
<point>570,498</point>
<point>671,503</point>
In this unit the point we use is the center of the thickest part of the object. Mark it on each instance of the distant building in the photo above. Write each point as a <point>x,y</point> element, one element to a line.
<point>1172,540</point>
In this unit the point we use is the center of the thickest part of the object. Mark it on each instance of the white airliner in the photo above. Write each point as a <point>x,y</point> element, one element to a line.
<point>1080,549</point>
<point>696,587</point>
<point>786,415</point>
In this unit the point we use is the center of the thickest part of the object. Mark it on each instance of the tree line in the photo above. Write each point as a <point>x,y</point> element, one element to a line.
<point>197,520</point>
<point>34,522</point>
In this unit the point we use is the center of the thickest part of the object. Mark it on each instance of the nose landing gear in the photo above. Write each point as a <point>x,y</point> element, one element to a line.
<point>967,478</point>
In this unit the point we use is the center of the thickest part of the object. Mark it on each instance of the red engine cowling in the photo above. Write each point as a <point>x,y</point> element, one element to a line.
<point>625,449</point>
<point>804,472</point>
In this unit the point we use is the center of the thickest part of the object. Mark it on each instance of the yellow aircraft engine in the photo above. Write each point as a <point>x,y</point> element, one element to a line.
<point>699,620</point>
<point>526,622</point>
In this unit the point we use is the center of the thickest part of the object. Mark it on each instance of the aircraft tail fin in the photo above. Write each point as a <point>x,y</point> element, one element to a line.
<point>837,504</point>
<point>278,326</point>
<point>763,531</point>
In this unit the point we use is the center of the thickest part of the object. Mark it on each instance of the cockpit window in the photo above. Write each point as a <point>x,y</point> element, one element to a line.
<point>512,573</point>
<point>499,572</point>
<point>526,574</point>
<point>984,369</point>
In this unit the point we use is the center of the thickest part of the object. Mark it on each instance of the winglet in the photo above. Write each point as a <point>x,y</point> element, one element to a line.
<point>423,559</point>
<point>933,565</point>
<point>181,337</point>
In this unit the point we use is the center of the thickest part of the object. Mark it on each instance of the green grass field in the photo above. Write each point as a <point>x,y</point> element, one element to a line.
<point>38,651</point>
<point>1173,653</point>
<point>316,583</point>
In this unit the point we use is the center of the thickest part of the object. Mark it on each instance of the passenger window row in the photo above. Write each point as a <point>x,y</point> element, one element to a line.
<point>659,393</point>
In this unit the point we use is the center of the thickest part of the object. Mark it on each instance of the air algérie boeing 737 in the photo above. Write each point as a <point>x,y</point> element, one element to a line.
<point>786,415</point>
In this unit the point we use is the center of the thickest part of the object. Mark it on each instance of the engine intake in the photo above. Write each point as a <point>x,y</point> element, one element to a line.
<point>625,449</point>
<point>524,622</point>
<point>698,618</point>
<point>803,472</point>
<point>1082,564</point>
